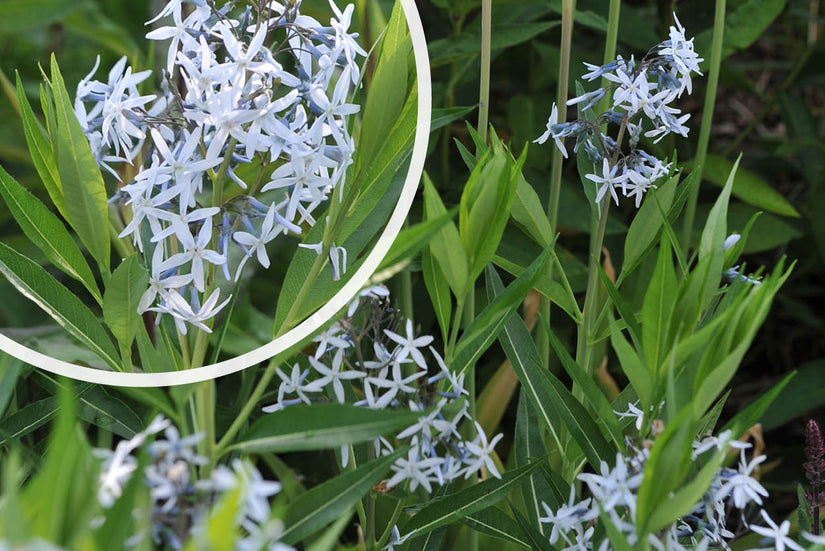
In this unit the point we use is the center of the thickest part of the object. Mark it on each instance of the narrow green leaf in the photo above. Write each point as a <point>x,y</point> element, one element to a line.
<point>329,540</point>
<point>445,115</point>
<point>528,213</point>
<point>617,538</point>
<point>58,506</point>
<point>10,370</point>
<point>42,153</point>
<point>98,407</point>
<point>495,523</point>
<point>439,291</point>
<point>537,541</point>
<point>316,508</point>
<point>658,307</point>
<point>27,419</point>
<point>57,301</point>
<point>154,398</point>
<point>528,446</point>
<point>803,511</point>
<point>321,426</point>
<point>122,297</point>
<point>411,240</point>
<point>714,234</point>
<point>428,542</point>
<point>465,502</point>
<point>685,498</point>
<point>377,187</point>
<point>558,294</point>
<point>485,205</point>
<point>638,374</point>
<point>47,232</point>
<point>222,527</point>
<point>446,247</point>
<point>627,315</point>
<point>645,227</point>
<point>484,329</point>
<point>598,401</point>
<point>388,87</point>
<point>551,399</point>
<point>120,518</point>
<point>665,469</point>
<point>83,188</point>
<point>747,187</point>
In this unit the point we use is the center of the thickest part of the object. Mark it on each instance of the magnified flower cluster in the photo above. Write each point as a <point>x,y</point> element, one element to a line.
<point>642,94</point>
<point>373,349</point>
<point>180,502</point>
<point>734,496</point>
<point>259,98</point>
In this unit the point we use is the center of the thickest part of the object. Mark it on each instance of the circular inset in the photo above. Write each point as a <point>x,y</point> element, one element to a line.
<point>322,315</point>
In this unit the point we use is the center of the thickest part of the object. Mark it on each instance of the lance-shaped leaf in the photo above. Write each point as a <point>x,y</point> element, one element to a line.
<point>551,399</point>
<point>322,426</point>
<point>465,502</point>
<point>446,246</point>
<point>413,239</point>
<point>439,291</point>
<point>122,298</point>
<point>484,329</point>
<point>42,152</point>
<point>46,232</point>
<point>83,188</point>
<point>316,508</point>
<point>598,401</point>
<point>495,523</point>
<point>57,301</point>
<point>485,206</point>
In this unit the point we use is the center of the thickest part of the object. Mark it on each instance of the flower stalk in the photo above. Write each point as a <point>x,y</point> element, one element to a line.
<point>707,119</point>
<point>814,469</point>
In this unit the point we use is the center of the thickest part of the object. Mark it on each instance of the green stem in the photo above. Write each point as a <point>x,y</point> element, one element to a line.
<point>486,53</point>
<point>220,177</point>
<point>246,411</point>
<point>385,537</point>
<point>583,348</point>
<point>205,396</point>
<point>567,16</point>
<point>459,311</point>
<point>610,50</point>
<point>369,537</point>
<point>707,119</point>
<point>337,214</point>
<point>306,288</point>
<point>584,351</point>
<point>230,309</point>
<point>186,357</point>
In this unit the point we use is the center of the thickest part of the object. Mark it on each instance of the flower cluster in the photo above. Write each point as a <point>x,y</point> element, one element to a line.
<point>388,368</point>
<point>614,491</point>
<point>273,120</point>
<point>814,469</point>
<point>179,500</point>
<point>642,92</point>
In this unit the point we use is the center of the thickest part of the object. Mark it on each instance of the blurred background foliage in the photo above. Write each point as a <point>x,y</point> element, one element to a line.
<point>770,106</point>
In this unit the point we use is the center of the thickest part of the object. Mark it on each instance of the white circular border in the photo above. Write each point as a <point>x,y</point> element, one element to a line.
<point>316,320</point>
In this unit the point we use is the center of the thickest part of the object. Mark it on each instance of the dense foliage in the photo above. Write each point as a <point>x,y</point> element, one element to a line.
<point>599,330</point>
